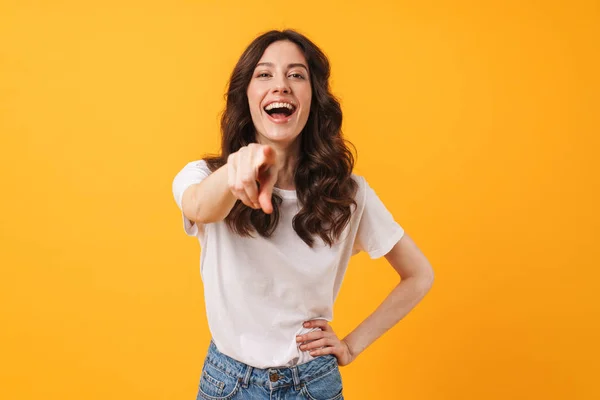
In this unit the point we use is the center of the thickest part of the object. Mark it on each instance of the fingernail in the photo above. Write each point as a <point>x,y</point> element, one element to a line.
<point>306,324</point>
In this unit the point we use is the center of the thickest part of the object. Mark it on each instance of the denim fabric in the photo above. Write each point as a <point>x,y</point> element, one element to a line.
<point>225,378</point>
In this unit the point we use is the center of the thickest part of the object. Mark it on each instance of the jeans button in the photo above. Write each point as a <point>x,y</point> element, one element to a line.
<point>274,377</point>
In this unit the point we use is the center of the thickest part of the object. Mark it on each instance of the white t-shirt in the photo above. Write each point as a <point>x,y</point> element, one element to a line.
<point>258,292</point>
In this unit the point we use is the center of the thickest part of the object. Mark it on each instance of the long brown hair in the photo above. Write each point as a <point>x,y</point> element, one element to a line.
<point>324,185</point>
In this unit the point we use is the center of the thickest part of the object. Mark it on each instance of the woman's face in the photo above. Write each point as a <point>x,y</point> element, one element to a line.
<point>279,93</point>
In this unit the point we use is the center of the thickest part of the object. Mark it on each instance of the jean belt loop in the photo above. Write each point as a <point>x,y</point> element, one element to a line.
<point>296,377</point>
<point>247,376</point>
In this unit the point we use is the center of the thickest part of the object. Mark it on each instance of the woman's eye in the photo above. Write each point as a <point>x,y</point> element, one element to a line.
<point>300,76</point>
<point>262,75</point>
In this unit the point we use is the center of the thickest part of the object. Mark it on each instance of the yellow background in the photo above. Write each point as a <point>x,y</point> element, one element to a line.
<point>476,123</point>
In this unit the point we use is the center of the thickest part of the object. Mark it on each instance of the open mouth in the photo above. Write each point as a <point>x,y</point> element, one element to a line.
<point>280,112</point>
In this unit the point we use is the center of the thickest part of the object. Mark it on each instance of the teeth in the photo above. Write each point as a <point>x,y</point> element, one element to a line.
<point>279,105</point>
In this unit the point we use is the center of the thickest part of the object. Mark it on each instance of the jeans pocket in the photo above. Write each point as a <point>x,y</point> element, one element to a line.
<point>325,387</point>
<point>216,384</point>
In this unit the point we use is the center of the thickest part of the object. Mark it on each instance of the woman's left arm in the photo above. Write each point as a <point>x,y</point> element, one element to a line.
<point>416,279</point>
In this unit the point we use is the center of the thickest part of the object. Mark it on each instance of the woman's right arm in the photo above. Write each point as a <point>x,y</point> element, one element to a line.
<point>212,199</point>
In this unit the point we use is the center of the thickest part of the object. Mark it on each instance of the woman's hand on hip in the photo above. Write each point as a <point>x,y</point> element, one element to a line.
<point>324,341</point>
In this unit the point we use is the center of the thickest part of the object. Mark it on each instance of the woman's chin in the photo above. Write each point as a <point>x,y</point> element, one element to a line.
<point>282,134</point>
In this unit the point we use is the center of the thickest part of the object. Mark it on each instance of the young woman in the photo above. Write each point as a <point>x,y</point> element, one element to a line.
<point>278,215</point>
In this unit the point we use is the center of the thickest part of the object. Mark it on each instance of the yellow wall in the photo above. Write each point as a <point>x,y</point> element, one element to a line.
<point>476,124</point>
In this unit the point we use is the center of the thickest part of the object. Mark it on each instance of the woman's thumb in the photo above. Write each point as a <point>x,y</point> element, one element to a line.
<point>269,155</point>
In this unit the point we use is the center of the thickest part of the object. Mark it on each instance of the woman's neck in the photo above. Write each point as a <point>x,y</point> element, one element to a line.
<point>287,160</point>
<point>286,174</point>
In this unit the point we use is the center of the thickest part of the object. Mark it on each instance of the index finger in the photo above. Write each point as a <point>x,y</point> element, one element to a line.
<point>321,323</point>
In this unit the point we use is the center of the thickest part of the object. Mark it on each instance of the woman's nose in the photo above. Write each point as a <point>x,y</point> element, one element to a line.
<point>281,86</point>
<point>281,89</point>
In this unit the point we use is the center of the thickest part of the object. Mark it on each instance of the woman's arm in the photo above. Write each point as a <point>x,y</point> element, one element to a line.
<point>416,280</point>
<point>210,200</point>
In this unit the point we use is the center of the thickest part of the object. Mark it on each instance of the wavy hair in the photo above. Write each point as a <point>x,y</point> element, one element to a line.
<point>324,185</point>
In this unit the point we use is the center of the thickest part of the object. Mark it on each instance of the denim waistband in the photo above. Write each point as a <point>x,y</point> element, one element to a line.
<point>271,378</point>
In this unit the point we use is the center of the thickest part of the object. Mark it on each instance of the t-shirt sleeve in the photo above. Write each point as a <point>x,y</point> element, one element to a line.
<point>377,231</point>
<point>193,172</point>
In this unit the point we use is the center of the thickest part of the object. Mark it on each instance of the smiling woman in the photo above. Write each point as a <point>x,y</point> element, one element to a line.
<point>278,214</point>
<point>294,93</point>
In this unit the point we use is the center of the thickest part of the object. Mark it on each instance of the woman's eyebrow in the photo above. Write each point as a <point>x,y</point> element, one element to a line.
<point>269,64</point>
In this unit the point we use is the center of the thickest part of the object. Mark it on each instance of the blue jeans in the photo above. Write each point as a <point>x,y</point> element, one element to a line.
<point>226,378</point>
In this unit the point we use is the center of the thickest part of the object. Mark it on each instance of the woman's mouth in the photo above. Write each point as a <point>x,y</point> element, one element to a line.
<point>280,112</point>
